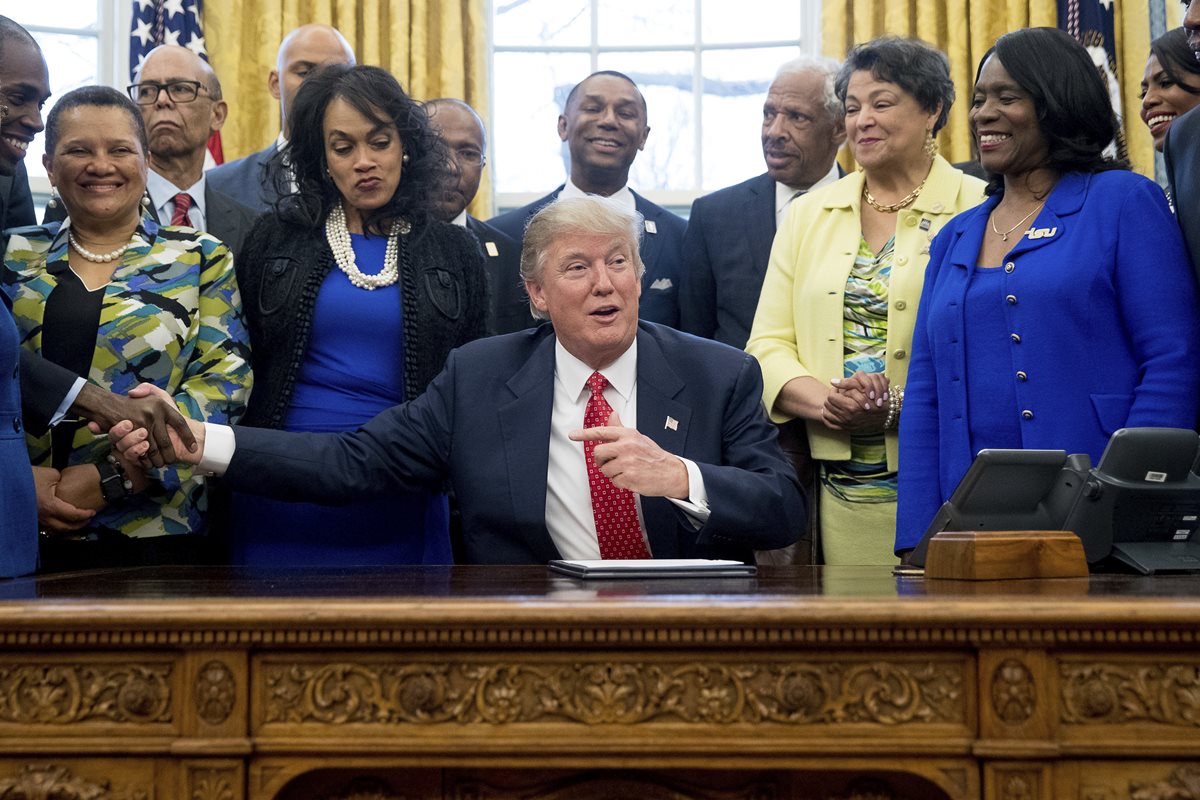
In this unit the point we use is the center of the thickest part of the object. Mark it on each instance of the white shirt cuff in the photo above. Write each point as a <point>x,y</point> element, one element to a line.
<point>696,505</point>
<point>219,444</point>
<point>60,413</point>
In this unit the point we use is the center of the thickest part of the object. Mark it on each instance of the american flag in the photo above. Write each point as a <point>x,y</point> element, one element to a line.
<point>158,22</point>
<point>1091,22</point>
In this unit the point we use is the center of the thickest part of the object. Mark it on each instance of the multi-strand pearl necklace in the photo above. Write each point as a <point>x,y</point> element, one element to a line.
<point>338,236</point>
<point>97,258</point>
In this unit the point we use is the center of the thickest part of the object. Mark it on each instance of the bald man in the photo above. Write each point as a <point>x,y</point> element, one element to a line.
<point>300,52</point>
<point>463,133</point>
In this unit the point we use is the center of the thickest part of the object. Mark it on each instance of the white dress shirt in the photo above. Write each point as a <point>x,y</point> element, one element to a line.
<point>568,497</point>
<point>622,197</point>
<point>162,195</point>
<point>784,194</point>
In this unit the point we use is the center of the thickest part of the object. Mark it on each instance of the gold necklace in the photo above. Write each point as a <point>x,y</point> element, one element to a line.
<point>1004,236</point>
<point>892,208</point>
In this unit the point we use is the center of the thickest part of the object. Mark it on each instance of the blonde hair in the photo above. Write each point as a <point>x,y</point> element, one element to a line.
<point>589,215</point>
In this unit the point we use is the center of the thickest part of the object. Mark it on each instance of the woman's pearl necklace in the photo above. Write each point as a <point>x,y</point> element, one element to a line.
<point>97,258</point>
<point>338,236</point>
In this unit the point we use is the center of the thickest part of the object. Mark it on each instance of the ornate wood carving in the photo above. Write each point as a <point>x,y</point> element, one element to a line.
<point>1184,784</point>
<point>210,783</point>
<point>367,789</point>
<point>1111,694</point>
<point>215,692</point>
<point>889,693</point>
<point>606,787</point>
<point>1014,696</point>
<point>51,783</point>
<point>69,693</point>
<point>867,789</point>
<point>1017,784</point>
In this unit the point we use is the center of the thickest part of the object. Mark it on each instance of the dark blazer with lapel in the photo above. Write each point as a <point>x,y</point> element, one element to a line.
<point>484,423</point>
<point>725,254</point>
<point>226,218</point>
<point>1181,154</point>
<point>508,305</point>
<point>245,180</point>
<point>661,251</point>
<point>16,201</point>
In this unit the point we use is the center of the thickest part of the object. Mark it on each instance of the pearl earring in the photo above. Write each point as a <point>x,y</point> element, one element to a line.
<point>53,202</point>
<point>404,159</point>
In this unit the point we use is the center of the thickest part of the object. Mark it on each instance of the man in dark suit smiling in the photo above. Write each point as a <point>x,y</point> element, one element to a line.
<point>605,126</point>
<point>593,437</point>
<point>729,233</point>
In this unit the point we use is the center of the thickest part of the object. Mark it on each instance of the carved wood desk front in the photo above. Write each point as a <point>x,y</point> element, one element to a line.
<point>474,683</point>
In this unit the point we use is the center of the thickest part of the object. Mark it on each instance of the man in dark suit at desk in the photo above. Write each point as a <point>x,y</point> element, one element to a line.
<point>729,233</point>
<point>462,132</point>
<point>180,100</point>
<point>301,51</point>
<point>530,428</point>
<point>604,124</point>
<point>1181,155</point>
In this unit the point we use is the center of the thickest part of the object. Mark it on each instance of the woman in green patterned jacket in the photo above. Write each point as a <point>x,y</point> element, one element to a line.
<point>121,301</point>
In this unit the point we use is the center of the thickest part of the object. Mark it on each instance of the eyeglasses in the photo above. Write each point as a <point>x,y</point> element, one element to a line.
<point>146,94</point>
<point>468,156</point>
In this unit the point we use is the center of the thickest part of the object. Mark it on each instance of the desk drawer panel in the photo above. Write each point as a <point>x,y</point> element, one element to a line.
<point>376,694</point>
<point>132,693</point>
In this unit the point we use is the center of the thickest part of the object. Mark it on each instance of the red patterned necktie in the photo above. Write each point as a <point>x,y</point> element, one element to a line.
<point>182,201</point>
<point>615,510</point>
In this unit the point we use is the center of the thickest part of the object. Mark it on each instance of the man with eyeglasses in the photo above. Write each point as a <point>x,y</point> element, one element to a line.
<point>180,100</point>
<point>301,51</point>
<point>463,133</point>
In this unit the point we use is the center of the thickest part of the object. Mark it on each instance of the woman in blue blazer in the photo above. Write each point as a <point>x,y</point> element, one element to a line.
<point>1063,307</point>
<point>18,504</point>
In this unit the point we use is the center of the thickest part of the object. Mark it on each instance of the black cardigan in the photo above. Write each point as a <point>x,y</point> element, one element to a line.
<point>281,268</point>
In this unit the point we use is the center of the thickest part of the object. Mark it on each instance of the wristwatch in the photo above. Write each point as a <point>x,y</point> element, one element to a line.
<point>114,486</point>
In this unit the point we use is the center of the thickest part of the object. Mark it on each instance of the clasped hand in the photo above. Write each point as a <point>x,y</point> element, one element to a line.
<point>633,461</point>
<point>858,404</point>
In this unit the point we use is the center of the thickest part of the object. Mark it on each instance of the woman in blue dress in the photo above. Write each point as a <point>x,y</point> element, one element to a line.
<point>354,295</point>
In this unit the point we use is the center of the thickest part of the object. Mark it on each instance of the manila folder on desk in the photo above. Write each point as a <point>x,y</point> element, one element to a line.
<point>654,568</point>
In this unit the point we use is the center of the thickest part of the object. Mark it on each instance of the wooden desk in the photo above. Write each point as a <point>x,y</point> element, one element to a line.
<point>474,683</point>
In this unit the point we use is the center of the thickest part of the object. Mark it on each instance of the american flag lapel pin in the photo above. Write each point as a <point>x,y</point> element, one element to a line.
<point>672,424</point>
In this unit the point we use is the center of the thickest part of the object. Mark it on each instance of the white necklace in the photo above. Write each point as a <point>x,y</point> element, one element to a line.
<point>97,258</point>
<point>338,236</point>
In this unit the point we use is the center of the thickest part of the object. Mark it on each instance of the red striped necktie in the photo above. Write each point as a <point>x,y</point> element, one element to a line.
<point>182,201</point>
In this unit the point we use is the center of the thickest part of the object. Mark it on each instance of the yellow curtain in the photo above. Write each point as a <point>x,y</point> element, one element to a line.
<point>435,48</point>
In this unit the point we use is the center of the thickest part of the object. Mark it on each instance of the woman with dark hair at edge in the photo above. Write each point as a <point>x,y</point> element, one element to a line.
<point>1061,309</point>
<point>1170,85</point>
<point>354,296</point>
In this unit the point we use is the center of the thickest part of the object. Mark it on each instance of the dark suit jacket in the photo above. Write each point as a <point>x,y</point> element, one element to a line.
<point>16,201</point>
<point>484,423</point>
<point>226,218</point>
<point>246,181</point>
<point>661,251</point>
<point>508,305</point>
<point>725,255</point>
<point>1181,154</point>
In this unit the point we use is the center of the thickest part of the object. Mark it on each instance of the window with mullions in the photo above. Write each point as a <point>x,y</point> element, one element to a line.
<point>80,41</point>
<point>703,66</point>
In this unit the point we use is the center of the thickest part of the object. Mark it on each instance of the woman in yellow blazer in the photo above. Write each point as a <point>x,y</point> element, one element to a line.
<point>833,328</point>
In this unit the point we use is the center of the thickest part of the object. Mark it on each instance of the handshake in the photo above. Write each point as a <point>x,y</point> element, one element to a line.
<point>153,440</point>
<point>158,435</point>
